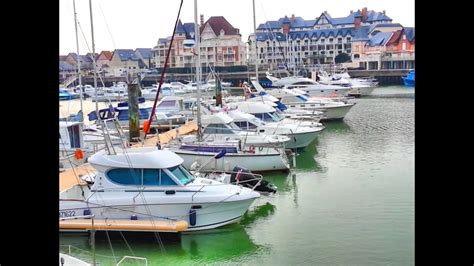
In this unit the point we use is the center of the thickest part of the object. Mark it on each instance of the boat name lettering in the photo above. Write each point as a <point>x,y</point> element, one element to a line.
<point>67,213</point>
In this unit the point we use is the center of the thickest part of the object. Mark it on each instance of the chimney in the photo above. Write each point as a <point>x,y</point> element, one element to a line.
<point>352,11</point>
<point>383,12</point>
<point>364,14</point>
<point>356,23</point>
<point>292,16</point>
<point>202,19</point>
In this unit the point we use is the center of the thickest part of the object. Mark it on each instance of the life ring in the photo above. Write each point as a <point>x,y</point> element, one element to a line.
<point>252,149</point>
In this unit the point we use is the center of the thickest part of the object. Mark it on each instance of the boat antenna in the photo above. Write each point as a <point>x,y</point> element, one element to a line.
<point>152,114</point>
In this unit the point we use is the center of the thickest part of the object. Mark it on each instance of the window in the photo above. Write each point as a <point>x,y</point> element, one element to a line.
<point>74,137</point>
<point>242,124</point>
<point>251,126</point>
<point>151,177</point>
<point>165,179</point>
<point>217,129</point>
<point>125,176</point>
<point>184,176</point>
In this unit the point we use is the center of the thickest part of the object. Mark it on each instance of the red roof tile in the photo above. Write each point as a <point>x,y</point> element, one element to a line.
<point>107,54</point>
<point>220,23</point>
<point>395,38</point>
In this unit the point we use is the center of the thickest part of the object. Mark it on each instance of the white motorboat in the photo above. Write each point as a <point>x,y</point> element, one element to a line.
<point>252,150</point>
<point>147,184</point>
<point>333,108</point>
<point>310,86</point>
<point>300,136</point>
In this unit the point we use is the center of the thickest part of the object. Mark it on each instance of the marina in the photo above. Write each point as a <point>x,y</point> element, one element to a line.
<point>352,192</point>
<point>311,164</point>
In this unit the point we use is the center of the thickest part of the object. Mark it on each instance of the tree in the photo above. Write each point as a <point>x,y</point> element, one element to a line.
<point>342,58</point>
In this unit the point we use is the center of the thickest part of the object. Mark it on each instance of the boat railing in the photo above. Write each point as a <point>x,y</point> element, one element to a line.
<point>258,177</point>
<point>133,258</point>
<point>70,249</point>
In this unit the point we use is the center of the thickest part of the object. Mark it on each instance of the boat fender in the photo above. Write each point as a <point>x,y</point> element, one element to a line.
<point>133,217</point>
<point>79,154</point>
<point>193,215</point>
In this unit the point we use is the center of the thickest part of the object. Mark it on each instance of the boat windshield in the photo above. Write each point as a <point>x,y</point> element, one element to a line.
<point>276,116</point>
<point>233,126</point>
<point>182,174</point>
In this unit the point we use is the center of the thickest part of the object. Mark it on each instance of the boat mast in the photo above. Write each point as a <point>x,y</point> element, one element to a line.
<point>93,60</point>
<point>78,60</point>
<point>256,47</point>
<point>198,70</point>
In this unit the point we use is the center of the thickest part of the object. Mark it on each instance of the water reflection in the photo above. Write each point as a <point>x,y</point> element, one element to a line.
<point>218,245</point>
<point>210,246</point>
<point>258,212</point>
<point>339,127</point>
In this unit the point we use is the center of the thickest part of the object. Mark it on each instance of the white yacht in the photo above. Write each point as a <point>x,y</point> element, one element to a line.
<point>251,150</point>
<point>310,86</point>
<point>300,136</point>
<point>147,184</point>
<point>357,87</point>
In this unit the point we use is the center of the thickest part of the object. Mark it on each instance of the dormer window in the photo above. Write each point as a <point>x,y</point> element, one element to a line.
<point>222,32</point>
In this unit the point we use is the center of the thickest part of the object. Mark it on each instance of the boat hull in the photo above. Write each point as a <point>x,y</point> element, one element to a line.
<point>208,215</point>
<point>409,82</point>
<point>362,91</point>
<point>253,162</point>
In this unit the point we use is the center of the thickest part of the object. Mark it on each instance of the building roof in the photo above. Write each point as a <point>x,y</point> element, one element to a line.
<point>62,57</point>
<point>65,66</point>
<point>107,54</point>
<point>144,52</point>
<point>362,34</point>
<point>82,58</point>
<point>315,34</point>
<point>180,28</point>
<point>219,23</point>
<point>410,33</point>
<point>298,22</point>
<point>126,54</point>
<point>380,39</point>
<point>384,25</point>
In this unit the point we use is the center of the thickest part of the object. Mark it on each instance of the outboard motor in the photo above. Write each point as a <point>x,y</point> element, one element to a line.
<point>247,179</point>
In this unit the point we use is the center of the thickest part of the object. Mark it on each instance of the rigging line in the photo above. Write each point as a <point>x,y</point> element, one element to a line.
<point>73,170</point>
<point>108,28</point>
<point>126,243</point>
<point>111,247</point>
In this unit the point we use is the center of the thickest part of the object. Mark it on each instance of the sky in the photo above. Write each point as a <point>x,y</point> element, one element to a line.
<point>130,24</point>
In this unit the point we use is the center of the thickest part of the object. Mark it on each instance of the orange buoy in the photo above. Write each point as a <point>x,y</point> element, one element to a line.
<point>79,154</point>
<point>146,126</point>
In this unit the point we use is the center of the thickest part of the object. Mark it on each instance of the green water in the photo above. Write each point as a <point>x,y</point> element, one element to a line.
<point>350,201</point>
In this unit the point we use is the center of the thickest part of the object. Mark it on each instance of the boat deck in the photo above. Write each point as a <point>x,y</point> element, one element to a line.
<point>167,136</point>
<point>71,177</point>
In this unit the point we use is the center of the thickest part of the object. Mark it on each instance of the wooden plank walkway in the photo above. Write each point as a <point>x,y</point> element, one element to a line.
<point>167,136</point>
<point>68,179</point>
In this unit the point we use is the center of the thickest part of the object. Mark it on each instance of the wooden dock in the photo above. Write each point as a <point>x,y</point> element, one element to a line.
<point>166,137</point>
<point>123,225</point>
<point>72,176</point>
